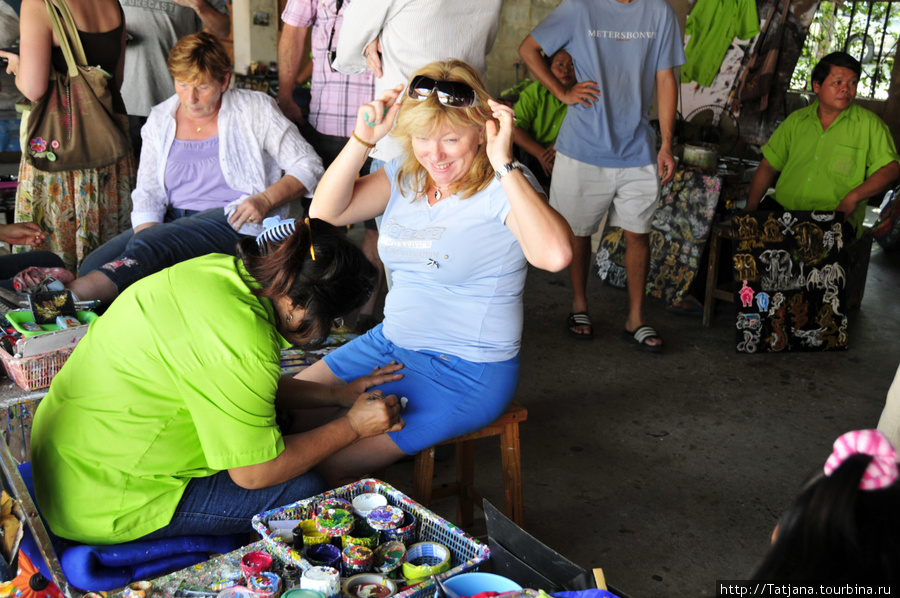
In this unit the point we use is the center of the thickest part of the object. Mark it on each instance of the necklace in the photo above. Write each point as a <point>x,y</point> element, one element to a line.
<point>438,192</point>
<point>200,127</point>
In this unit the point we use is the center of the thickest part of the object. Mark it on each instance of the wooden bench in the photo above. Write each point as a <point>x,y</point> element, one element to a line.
<point>507,427</point>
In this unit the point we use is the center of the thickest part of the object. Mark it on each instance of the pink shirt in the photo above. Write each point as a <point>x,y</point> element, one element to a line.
<point>335,97</point>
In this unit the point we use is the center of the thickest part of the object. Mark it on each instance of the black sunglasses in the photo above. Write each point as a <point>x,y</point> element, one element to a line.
<point>455,94</point>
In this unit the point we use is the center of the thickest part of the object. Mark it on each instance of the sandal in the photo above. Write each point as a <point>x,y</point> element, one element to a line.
<point>60,274</point>
<point>640,337</point>
<point>580,319</point>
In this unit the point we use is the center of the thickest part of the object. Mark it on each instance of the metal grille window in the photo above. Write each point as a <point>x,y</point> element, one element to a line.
<point>867,30</point>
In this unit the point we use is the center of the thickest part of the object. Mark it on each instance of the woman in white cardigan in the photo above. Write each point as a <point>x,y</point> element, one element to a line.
<point>215,162</point>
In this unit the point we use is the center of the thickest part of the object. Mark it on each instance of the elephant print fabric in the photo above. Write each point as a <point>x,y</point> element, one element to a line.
<point>789,281</point>
<point>679,231</point>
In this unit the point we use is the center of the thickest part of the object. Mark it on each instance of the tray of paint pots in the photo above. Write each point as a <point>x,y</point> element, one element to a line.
<point>466,553</point>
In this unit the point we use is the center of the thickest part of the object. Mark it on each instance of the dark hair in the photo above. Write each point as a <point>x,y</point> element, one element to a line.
<point>834,531</point>
<point>821,71</point>
<point>339,279</point>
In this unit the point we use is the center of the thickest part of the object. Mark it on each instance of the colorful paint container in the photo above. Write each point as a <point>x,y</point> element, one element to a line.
<point>265,584</point>
<point>386,517</point>
<point>369,585</point>
<point>333,503</point>
<point>364,503</point>
<point>388,557</point>
<point>254,563</point>
<point>311,535</point>
<point>362,535</point>
<point>301,593</point>
<point>324,555</point>
<point>335,522</point>
<point>405,532</point>
<point>326,580</point>
<point>356,559</point>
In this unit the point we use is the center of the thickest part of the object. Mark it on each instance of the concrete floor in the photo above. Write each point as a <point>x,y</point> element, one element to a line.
<point>670,471</point>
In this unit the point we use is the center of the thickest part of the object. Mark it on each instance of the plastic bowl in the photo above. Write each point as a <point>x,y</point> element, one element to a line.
<point>469,584</point>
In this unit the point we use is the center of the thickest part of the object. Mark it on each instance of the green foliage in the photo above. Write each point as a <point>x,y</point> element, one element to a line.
<point>843,27</point>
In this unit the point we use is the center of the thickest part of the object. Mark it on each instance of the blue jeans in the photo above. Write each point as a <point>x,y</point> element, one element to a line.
<point>215,505</point>
<point>184,235</point>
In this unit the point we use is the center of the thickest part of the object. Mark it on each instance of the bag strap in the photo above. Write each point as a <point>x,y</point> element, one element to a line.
<point>67,34</point>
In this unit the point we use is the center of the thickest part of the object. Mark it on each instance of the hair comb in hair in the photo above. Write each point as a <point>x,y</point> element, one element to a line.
<point>881,472</point>
<point>275,230</point>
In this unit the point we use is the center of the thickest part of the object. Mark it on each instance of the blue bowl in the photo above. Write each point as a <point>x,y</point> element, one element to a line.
<point>469,584</point>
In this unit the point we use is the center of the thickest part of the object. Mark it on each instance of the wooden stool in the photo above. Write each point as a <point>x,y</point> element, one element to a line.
<point>719,231</point>
<point>507,427</point>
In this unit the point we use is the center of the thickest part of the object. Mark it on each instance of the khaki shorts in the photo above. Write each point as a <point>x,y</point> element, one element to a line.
<point>584,193</point>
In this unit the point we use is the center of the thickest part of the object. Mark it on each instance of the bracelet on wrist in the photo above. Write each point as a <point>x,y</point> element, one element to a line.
<point>365,143</point>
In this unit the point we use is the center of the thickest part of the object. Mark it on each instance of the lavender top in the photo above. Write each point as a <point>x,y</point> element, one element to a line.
<point>194,177</point>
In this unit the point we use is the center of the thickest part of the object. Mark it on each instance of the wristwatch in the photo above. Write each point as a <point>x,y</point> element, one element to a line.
<point>507,168</point>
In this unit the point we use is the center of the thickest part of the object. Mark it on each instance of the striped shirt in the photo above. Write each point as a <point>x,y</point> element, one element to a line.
<point>335,97</point>
<point>414,33</point>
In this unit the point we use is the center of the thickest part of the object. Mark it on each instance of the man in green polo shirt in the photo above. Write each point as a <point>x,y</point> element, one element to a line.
<point>832,155</point>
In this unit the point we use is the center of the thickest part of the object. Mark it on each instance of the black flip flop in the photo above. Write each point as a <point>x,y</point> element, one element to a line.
<point>640,337</point>
<point>580,319</point>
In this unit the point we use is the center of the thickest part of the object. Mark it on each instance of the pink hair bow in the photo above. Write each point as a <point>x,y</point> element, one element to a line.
<point>881,472</point>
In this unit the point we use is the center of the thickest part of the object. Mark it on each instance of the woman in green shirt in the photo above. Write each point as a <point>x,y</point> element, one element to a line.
<point>163,420</point>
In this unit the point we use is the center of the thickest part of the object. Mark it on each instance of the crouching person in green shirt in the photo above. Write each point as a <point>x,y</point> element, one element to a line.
<point>832,155</point>
<point>163,420</point>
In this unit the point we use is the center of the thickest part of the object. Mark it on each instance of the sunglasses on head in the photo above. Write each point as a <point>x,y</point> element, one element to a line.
<point>455,94</point>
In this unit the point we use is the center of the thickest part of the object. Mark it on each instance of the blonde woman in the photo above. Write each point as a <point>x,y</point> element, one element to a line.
<point>461,221</point>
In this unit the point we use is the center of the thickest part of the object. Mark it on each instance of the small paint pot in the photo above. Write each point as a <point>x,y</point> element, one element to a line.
<point>369,585</point>
<point>333,503</point>
<point>406,533</point>
<point>362,535</point>
<point>389,556</point>
<point>364,503</point>
<point>386,517</point>
<point>311,535</point>
<point>335,522</point>
<point>265,584</point>
<point>254,563</point>
<point>138,589</point>
<point>326,580</point>
<point>356,559</point>
<point>324,555</point>
<point>301,593</point>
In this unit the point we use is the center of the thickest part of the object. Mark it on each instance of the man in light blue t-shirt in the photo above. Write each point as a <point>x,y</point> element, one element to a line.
<point>606,150</point>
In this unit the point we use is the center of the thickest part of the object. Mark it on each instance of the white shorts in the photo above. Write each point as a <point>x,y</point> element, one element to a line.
<point>584,193</point>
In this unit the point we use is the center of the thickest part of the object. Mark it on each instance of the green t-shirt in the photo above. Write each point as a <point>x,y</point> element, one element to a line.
<point>540,113</point>
<point>819,167</point>
<point>175,381</point>
<point>711,27</point>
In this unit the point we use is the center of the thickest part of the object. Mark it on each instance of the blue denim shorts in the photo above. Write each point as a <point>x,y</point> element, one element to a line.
<point>446,396</point>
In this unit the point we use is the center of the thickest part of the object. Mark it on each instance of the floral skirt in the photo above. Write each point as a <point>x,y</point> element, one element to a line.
<point>78,209</point>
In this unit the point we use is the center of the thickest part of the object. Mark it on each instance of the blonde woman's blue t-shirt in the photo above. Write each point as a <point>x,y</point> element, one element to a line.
<point>457,273</point>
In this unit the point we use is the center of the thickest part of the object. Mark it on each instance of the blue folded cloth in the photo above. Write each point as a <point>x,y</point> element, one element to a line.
<point>103,568</point>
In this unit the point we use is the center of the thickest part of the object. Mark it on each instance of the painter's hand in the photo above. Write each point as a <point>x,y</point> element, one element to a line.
<point>346,395</point>
<point>375,119</point>
<point>500,139</point>
<point>373,414</point>
<point>253,210</point>
<point>584,93</point>
<point>373,58</point>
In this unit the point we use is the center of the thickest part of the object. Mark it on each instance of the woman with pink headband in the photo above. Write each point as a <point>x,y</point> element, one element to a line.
<point>845,524</point>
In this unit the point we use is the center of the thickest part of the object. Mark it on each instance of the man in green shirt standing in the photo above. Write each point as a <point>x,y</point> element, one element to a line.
<point>832,155</point>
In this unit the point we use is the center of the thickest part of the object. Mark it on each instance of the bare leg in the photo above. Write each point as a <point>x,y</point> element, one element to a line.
<point>637,264</point>
<point>578,276</point>
<point>94,285</point>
